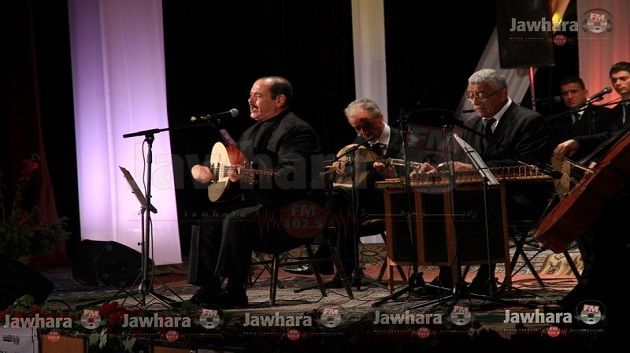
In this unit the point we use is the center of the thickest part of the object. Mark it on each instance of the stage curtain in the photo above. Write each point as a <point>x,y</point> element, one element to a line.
<point>117,52</point>
<point>598,51</point>
<point>368,32</point>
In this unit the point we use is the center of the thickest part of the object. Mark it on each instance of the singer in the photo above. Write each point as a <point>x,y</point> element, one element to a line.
<point>278,140</point>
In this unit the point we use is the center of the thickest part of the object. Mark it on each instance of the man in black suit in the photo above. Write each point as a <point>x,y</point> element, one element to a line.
<point>384,141</point>
<point>591,120</point>
<point>620,78</point>
<point>278,140</point>
<point>503,133</point>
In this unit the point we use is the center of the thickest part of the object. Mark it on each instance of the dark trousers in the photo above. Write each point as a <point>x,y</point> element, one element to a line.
<point>226,243</point>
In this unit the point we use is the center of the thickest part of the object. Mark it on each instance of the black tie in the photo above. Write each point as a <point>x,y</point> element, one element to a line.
<point>487,132</point>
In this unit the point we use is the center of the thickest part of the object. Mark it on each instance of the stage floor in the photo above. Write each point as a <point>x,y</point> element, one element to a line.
<point>515,318</point>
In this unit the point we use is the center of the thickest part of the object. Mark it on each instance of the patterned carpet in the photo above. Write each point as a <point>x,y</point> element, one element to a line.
<point>356,317</point>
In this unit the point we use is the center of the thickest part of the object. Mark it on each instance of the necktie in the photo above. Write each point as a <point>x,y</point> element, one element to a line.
<point>487,132</point>
<point>625,117</point>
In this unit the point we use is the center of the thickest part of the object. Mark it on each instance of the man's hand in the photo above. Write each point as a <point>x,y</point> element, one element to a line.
<point>566,149</point>
<point>423,168</point>
<point>201,173</point>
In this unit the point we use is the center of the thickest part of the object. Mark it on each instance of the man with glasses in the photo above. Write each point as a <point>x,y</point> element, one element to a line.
<point>504,134</point>
<point>365,116</point>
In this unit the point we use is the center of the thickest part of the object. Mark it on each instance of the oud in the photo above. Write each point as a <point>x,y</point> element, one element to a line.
<point>227,159</point>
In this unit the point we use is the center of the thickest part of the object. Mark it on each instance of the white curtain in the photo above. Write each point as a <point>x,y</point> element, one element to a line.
<point>368,32</point>
<point>599,50</point>
<point>117,51</point>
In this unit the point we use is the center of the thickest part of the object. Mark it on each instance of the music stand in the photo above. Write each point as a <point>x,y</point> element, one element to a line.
<point>459,290</point>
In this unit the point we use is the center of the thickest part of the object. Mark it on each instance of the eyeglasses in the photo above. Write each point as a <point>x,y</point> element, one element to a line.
<point>363,125</point>
<point>480,96</point>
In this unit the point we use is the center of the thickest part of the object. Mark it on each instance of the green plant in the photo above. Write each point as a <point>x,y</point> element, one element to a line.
<point>22,233</point>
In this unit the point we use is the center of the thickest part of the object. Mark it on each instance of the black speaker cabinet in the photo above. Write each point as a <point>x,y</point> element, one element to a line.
<point>106,263</point>
<point>17,279</point>
<point>440,233</point>
<point>524,33</point>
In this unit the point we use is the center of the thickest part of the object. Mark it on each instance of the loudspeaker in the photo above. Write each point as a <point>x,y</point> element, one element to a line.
<point>106,263</point>
<point>525,34</point>
<point>17,279</point>
<point>437,230</point>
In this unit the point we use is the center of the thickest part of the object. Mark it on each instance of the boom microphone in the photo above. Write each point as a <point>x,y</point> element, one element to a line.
<point>232,113</point>
<point>598,96</point>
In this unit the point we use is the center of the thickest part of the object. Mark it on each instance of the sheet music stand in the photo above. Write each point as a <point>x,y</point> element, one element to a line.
<point>459,291</point>
<point>145,287</point>
<point>136,191</point>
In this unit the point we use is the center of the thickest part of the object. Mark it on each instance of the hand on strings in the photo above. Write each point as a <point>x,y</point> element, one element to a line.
<point>423,168</point>
<point>388,171</point>
<point>234,174</point>
<point>463,167</point>
<point>566,149</point>
<point>201,173</point>
<point>339,167</point>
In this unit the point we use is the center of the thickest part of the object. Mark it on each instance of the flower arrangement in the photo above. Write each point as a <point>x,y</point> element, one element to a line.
<point>21,232</point>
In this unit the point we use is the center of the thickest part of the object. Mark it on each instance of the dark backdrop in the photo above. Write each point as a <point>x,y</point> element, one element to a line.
<point>214,52</point>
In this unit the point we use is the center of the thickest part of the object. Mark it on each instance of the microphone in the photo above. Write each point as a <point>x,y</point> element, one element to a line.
<point>232,113</point>
<point>598,96</point>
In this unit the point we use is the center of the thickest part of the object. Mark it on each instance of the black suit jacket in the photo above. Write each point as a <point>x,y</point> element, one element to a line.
<point>284,143</point>
<point>594,120</point>
<point>521,134</point>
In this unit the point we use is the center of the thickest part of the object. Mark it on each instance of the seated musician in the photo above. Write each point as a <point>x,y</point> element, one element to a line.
<point>278,140</point>
<point>609,243</point>
<point>365,116</point>
<point>591,120</point>
<point>518,134</point>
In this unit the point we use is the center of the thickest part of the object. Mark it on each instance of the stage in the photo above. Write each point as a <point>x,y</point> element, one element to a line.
<point>517,318</point>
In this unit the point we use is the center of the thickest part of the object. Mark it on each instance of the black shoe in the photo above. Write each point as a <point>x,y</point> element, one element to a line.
<point>231,298</point>
<point>325,268</point>
<point>205,295</point>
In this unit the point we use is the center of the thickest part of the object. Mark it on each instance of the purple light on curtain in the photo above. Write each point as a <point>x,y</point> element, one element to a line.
<point>600,48</point>
<point>119,87</point>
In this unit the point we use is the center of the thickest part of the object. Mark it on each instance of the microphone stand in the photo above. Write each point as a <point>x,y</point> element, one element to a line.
<point>415,280</point>
<point>145,287</point>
